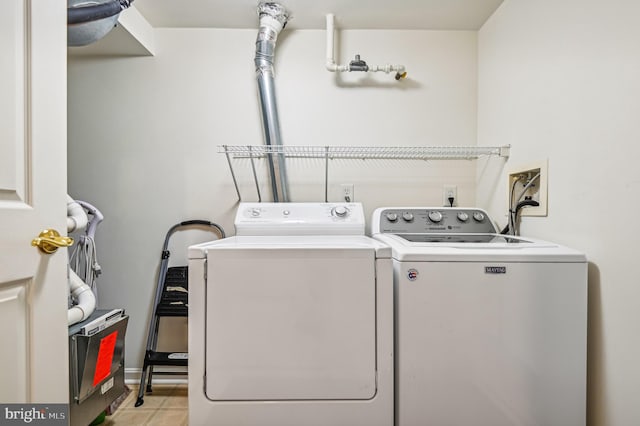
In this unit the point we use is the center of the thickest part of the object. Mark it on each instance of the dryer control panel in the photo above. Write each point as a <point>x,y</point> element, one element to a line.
<point>431,220</point>
<point>300,219</point>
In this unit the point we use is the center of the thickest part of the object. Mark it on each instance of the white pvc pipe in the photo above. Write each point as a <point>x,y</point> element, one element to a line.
<point>333,67</point>
<point>84,298</point>
<point>76,216</point>
<point>331,63</point>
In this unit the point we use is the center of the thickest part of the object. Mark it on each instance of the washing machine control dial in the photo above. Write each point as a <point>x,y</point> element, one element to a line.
<point>340,211</point>
<point>407,216</point>
<point>392,217</point>
<point>478,216</point>
<point>435,216</point>
<point>255,212</point>
<point>463,217</point>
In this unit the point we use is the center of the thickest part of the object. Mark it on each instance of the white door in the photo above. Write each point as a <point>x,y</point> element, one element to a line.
<point>33,169</point>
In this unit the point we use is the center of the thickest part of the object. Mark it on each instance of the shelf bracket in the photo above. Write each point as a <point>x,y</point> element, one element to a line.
<point>233,175</point>
<point>255,176</point>
<point>505,151</point>
<point>326,174</point>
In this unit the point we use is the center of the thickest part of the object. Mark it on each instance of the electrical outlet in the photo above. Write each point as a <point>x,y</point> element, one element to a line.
<point>529,182</point>
<point>346,189</point>
<point>450,191</point>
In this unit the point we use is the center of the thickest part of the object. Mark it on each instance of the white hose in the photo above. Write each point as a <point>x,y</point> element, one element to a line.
<point>84,261</point>
<point>81,294</point>
<point>84,298</point>
<point>76,216</point>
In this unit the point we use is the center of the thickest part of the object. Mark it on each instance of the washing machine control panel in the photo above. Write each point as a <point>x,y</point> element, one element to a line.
<point>300,219</point>
<point>429,220</point>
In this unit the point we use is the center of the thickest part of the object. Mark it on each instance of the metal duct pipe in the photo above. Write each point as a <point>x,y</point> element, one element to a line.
<point>273,18</point>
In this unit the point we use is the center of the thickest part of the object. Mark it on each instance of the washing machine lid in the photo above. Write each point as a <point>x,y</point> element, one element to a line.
<point>463,238</point>
<point>477,248</point>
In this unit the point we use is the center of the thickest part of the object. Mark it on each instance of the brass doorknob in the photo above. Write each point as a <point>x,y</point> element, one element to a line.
<point>49,240</point>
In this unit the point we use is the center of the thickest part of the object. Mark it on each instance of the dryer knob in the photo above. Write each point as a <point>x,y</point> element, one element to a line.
<point>463,217</point>
<point>435,216</point>
<point>478,216</point>
<point>407,216</point>
<point>255,212</point>
<point>391,217</point>
<point>341,211</point>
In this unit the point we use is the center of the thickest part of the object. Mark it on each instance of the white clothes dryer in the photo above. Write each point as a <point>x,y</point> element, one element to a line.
<point>291,320</point>
<point>490,330</point>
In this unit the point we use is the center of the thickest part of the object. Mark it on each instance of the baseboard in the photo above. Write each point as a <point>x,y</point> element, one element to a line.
<point>132,377</point>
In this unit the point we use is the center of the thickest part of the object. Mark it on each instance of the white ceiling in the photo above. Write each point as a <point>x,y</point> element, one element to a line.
<point>310,14</point>
<point>127,38</point>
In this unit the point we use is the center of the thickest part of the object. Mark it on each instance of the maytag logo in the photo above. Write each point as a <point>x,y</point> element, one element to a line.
<point>412,274</point>
<point>495,269</point>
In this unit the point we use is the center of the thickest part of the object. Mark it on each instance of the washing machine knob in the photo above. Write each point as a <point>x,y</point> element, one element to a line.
<point>255,212</point>
<point>478,216</point>
<point>341,211</point>
<point>391,217</point>
<point>435,216</point>
<point>407,216</point>
<point>463,217</point>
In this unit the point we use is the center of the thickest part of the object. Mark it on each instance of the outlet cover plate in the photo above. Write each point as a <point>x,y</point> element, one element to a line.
<point>347,193</point>
<point>449,190</point>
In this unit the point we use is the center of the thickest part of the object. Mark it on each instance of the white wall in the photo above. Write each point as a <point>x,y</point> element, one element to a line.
<point>144,132</point>
<point>560,80</point>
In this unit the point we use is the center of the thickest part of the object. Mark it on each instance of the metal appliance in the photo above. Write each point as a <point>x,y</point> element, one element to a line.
<point>489,329</point>
<point>96,364</point>
<point>290,320</point>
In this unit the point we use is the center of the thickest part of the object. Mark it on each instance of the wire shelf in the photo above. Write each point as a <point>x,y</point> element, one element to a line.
<point>366,152</point>
<point>256,152</point>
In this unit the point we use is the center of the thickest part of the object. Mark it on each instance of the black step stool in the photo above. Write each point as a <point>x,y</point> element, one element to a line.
<point>171,300</point>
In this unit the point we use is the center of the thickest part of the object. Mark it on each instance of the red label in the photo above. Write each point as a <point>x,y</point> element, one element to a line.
<point>105,357</point>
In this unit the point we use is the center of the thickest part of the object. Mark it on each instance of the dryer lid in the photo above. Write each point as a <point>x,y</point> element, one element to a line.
<point>280,242</point>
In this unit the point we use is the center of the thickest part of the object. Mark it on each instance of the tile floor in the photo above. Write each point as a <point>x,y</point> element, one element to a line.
<point>167,405</point>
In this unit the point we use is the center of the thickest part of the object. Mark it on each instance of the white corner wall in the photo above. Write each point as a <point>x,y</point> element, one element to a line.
<point>559,80</point>
<point>144,135</point>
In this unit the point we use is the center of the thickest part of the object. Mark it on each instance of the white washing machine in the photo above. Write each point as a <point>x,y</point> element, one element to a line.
<point>490,330</point>
<point>291,320</point>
